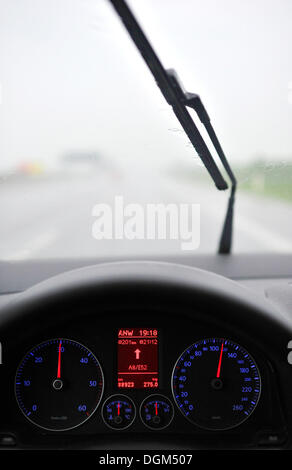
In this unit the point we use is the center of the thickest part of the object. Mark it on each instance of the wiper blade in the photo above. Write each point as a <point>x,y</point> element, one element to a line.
<point>169,91</point>
<point>179,100</point>
<point>194,101</point>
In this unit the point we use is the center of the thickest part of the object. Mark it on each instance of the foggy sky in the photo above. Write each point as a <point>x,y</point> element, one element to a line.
<point>71,78</point>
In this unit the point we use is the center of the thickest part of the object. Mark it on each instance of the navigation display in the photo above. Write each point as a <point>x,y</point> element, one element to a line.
<point>138,358</point>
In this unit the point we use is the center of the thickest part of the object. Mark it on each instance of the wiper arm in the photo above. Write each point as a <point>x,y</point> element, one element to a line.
<point>179,100</point>
<point>169,91</point>
<point>194,101</point>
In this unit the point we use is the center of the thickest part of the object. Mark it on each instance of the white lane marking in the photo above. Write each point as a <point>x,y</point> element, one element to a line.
<point>267,239</point>
<point>263,235</point>
<point>32,247</point>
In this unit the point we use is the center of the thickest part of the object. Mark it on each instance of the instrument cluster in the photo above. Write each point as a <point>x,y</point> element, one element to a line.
<point>215,384</point>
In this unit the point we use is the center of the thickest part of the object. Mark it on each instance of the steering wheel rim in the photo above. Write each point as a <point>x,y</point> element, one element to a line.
<point>166,283</point>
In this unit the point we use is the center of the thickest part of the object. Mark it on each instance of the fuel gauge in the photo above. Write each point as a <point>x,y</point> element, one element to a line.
<point>156,412</point>
<point>118,412</point>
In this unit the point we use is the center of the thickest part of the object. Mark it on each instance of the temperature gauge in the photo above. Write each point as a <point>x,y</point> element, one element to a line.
<point>118,412</point>
<point>156,412</point>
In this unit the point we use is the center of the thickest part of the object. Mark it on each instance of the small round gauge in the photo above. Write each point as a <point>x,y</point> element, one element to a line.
<point>59,384</point>
<point>118,412</point>
<point>156,412</point>
<point>216,384</point>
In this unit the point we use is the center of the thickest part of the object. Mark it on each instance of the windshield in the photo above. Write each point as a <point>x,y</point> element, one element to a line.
<point>85,131</point>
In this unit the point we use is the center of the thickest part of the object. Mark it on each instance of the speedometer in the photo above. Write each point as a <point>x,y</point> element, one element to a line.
<point>216,384</point>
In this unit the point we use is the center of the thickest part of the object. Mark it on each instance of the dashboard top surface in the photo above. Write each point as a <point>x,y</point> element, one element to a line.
<point>20,275</point>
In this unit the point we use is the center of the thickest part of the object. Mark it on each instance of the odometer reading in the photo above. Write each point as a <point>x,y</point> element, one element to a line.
<point>59,384</point>
<point>216,384</point>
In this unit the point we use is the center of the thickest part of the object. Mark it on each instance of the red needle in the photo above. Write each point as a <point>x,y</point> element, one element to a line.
<point>220,362</point>
<point>59,361</point>
<point>156,412</point>
<point>118,408</point>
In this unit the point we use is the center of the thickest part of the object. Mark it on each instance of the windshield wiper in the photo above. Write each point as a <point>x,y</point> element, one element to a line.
<point>179,100</point>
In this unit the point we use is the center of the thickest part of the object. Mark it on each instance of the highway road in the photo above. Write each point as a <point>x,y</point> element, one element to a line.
<point>50,216</point>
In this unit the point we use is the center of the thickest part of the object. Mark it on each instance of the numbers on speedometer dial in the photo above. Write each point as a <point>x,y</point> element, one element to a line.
<point>216,384</point>
<point>59,384</point>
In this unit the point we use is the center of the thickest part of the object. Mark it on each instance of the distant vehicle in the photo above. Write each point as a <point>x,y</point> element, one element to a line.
<point>31,168</point>
<point>81,161</point>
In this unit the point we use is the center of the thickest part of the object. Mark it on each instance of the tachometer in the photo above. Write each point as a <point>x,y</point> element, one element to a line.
<point>59,384</point>
<point>216,384</point>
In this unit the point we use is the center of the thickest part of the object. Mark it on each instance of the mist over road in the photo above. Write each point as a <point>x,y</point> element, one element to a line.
<point>51,216</point>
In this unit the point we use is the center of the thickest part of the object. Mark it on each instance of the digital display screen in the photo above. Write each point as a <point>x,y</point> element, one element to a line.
<point>138,358</point>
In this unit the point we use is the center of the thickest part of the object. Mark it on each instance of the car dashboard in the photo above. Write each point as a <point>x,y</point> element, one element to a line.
<point>143,355</point>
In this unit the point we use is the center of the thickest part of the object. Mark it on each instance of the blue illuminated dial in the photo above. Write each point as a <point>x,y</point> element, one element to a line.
<point>59,384</point>
<point>118,412</point>
<point>216,384</point>
<point>156,412</point>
